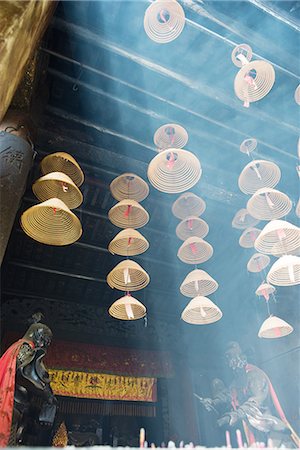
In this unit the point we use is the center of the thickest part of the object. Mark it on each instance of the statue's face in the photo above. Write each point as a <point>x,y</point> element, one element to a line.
<point>41,335</point>
<point>234,357</point>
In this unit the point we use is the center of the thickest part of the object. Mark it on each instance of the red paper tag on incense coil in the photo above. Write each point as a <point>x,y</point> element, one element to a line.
<point>265,294</point>
<point>171,161</point>
<point>252,236</point>
<point>128,211</point>
<point>190,224</point>
<point>281,234</point>
<point>130,240</point>
<point>277,332</point>
<point>193,247</point>
<point>54,210</point>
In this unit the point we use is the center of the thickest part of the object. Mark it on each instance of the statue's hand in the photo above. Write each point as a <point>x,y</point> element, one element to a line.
<point>208,404</point>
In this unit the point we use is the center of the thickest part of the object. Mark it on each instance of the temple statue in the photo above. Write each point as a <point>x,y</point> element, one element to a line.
<point>23,376</point>
<point>250,403</point>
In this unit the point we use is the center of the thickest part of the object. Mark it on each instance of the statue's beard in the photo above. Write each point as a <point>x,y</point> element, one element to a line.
<point>237,363</point>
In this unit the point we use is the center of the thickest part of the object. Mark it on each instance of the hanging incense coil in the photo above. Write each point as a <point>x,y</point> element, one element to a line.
<point>164,21</point>
<point>264,290</point>
<point>258,174</point>
<point>241,54</point>
<point>51,223</point>
<point>63,162</point>
<point>243,220</point>
<point>170,135</point>
<point>274,327</point>
<point>277,238</point>
<point>258,262</point>
<point>269,204</point>
<point>129,185</point>
<point>248,145</point>
<point>174,170</point>
<point>192,226</point>
<point>128,276</point>
<point>201,311</point>
<point>285,271</point>
<point>297,210</point>
<point>297,95</point>
<point>188,204</point>
<point>127,308</point>
<point>58,185</point>
<point>195,250</point>
<point>198,282</point>
<point>128,242</point>
<point>248,237</point>
<point>128,214</point>
<point>254,81</point>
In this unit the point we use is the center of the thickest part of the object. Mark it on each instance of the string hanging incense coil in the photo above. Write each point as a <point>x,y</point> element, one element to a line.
<point>164,20</point>
<point>129,185</point>
<point>174,171</point>
<point>264,290</point>
<point>127,308</point>
<point>201,311</point>
<point>195,250</point>
<point>128,242</point>
<point>277,238</point>
<point>188,204</point>
<point>248,237</point>
<point>51,223</point>
<point>192,226</point>
<point>63,162</point>
<point>128,276</point>
<point>198,282</point>
<point>297,95</point>
<point>58,185</point>
<point>128,214</point>
<point>170,135</point>
<point>258,262</point>
<point>274,327</point>
<point>248,146</point>
<point>268,204</point>
<point>285,271</point>
<point>243,49</point>
<point>258,174</point>
<point>243,220</point>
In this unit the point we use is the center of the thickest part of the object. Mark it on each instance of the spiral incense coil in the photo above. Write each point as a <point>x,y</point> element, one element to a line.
<point>241,55</point>
<point>258,174</point>
<point>248,237</point>
<point>127,308</point>
<point>274,327</point>
<point>188,204</point>
<point>195,250</point>
<point>51,223</point>
<point>174,170</point>
<point>277,238</point>
<point>63,162</point>
<point>164,21</point>
<point>58,185</point>
<point>264,290</point>
<point>198,282</point>
<point>170,135</point>
<point>297,95</point>
<point>128,242</point>
<point>297,210</point>
<point>243,220</point>
<point>258,262</point>
<point>191,226</point>
<point>128,214</point>
<point>285,271</point>
<point>269,204</point>
<point>201,311</point>
<point>129,185</point>
<point>248,145</point>
<point>128,276</point>
<point>254,81</point>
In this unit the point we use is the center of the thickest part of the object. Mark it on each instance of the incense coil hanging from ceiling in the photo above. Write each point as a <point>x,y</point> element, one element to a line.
<point>274,327</point>
<point>128,214</point>
<point>268,204</point>
<point>188,204</point>
<point>264,290</point>
<point>128,276</point>
<point>285,271</point>
<point>297,95</point>
<point>195,250</point>
<point>170,135</point>
<point>248,237</point>
<point>243,220</point>
<point>248,145</point>
<point>164,20</point>
<point>258,174</point>
<point>129,185</point>
<point>277,238</point>
<point>192,226</point>
<point>127,308</point>
<point>174,171</point>
<point>258,262</point>
<point>198,282</point>
<point>201,311</point>
<point>63,162</point>
<point>51,223</point>
<point>297,210</point>
<point>128,242</point>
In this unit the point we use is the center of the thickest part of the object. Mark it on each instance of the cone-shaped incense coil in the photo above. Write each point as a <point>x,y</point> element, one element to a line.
<point>243,220</point>
<point>297,95</point>
<point>268,204</point>
<point>277,238</point>
<point>52,223</point>
<point>274,327</point>
<point>248,145</point>
<point>174,170</point>
<point>170,135</point>
<point>198,282</point>
<point>127,308</point>
<point>258,174</point>
<point>264,290</point>
<point>195,250</point>
<point>58,185</point>
<point>129,185</point>
<point>285,271</point>
<point>191,226</point>
<point>63,162</point>
<point>164,21</point>
<point>248,237</point>
<point>188,204</point>
<point>128,276</point>
<point>128,214</point>
<point>243,50</point>
<point>258,262</point>
<point>128,242</point>
<point>201,311</point>
<point>297,210</point>
<point>254,81</point>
